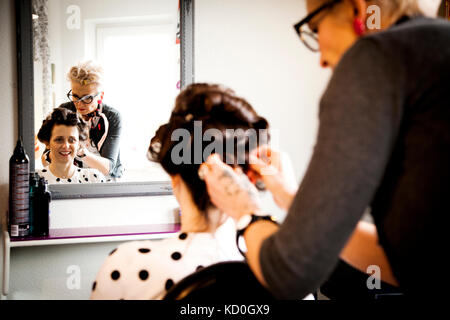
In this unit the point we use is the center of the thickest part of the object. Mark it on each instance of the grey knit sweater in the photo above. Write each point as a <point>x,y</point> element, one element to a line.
<point>384,143</point>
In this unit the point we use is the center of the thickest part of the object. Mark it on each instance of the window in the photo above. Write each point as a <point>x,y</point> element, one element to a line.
<point>142,80</point>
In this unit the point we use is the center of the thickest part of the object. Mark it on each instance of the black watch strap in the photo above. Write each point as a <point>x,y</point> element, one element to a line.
<point>241,232</point>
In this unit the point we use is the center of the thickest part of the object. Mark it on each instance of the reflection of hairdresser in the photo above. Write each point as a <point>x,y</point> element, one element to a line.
<point>62,132</point>
<point>147,269</point>
<point>383,142</point>
<point>101,150</point>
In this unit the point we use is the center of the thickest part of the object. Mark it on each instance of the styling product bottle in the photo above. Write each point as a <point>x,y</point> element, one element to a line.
<point>41,209</point>
<point>34,180</point>
<point>19,190</point>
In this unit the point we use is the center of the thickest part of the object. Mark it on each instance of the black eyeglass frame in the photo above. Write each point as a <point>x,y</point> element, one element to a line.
<point>307,19</point>
<point>82,99</point>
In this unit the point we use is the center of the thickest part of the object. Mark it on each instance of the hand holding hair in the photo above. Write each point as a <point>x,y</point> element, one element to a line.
<point>275,169</point>
<point>230,190</point>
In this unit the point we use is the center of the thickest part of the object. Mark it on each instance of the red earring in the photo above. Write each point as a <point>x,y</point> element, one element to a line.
<point>359,27</point>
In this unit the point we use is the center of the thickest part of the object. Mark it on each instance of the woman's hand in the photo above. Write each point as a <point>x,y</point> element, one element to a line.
<point>275,170</point>
<point>230,190</point>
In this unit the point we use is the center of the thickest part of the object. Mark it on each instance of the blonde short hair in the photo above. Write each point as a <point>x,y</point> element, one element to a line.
<point>86,73</point>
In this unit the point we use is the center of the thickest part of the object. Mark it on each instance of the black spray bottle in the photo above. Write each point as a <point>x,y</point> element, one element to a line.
<point>41,209</point>
<point>19,184</point>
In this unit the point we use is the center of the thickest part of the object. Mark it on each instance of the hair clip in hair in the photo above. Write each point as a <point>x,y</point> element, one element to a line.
<point>188,117</point>
<point>156,147</point>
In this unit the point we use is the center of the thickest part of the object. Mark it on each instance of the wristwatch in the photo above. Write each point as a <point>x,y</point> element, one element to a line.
<point>244,222</point>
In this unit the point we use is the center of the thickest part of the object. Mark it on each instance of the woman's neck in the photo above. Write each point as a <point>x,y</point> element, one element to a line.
<point>62,170</point>
<point>193,220</point>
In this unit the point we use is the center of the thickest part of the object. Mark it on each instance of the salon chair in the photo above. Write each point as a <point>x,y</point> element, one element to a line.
<point>220,282</point>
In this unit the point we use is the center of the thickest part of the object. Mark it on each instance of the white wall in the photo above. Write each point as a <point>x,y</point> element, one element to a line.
<point>252,47</point>
<point>8,96</point>
<point>249,46</point>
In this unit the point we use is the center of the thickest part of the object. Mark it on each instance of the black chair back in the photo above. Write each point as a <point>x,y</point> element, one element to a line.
<point>220,282</point>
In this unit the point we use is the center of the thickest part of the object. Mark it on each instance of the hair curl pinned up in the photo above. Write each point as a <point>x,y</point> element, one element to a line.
<point>86,73</point>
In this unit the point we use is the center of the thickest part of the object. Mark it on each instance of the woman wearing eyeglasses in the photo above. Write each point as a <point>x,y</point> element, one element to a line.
<point>101,151</point>
<point>383,143</point>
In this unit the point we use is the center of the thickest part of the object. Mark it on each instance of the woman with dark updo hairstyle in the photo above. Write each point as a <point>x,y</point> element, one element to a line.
<point>62,132</point>
<point>218,109</point>
<point>202,112</point>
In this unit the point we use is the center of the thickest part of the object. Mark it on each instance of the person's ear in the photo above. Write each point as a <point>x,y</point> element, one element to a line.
<point>176,182</point>
<point>360,9</point>
<point>360,16</point>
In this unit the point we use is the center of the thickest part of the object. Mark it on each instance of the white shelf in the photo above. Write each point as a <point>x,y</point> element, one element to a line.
<point>32,243</point>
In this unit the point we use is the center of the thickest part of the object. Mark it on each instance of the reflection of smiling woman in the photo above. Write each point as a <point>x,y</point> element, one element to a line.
<point>61,132</point>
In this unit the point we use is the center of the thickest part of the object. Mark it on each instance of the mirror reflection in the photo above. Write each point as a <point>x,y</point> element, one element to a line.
<point>64,133</point>
<point>106,74</point>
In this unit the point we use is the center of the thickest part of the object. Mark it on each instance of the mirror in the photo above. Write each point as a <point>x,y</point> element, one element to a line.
<point>146,50</point>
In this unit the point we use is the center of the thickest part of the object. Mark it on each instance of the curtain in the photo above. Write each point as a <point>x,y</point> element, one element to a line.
<point>42,50</point>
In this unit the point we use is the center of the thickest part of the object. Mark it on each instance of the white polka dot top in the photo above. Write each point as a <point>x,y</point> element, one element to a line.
<point>81,175</point>
<point>142,270</point>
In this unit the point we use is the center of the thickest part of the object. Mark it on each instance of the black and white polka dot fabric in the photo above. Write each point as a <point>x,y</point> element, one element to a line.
<point>147,269</point>
<point>81,175</point>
